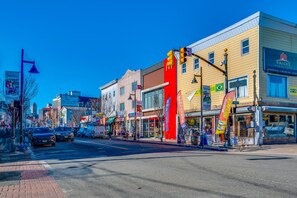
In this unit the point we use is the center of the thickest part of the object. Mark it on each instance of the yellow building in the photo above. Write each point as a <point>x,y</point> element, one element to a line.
<point>261,59</point>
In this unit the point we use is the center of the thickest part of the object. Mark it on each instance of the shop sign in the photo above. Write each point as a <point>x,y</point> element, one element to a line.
<point>225,111</point>
<point>293,90</point>
<point>281,62</point>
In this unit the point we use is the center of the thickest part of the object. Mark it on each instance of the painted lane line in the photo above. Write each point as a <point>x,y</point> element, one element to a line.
<point>96,143</point>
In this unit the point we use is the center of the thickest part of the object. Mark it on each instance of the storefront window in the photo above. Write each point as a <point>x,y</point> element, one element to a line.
<point>278,125</point>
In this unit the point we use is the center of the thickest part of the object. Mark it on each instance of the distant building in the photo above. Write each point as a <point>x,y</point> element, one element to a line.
<point>64,103</point>
<point>33,110</point>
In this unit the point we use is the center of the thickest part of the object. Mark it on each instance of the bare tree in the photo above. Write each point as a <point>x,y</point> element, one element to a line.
<point>95,104</point>
<point>30,90</point>
<point>159,109</point>
<point>76,116</point>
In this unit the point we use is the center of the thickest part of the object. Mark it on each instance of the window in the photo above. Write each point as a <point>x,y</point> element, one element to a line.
<point>211,57</point>
<point>134,86</point>
<point>122,91</point>
<point>184,68</point>
<point>122,106</point>
<point>277,86</point>
<point>245,47</point>
<point>240,85</point>
<point>153,99</point>
<point>196,63</point>
<point>133,103</point>
<point>113,93</point>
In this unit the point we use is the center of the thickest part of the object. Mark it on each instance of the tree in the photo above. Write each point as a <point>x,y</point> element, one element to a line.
<point>159,109</point>
<point>76,116</point>
<point>95,104</point>
<point>30,90</point>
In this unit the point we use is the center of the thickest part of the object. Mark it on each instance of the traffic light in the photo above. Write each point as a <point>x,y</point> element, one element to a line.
<point>170,60</point>
<point>182,55</point>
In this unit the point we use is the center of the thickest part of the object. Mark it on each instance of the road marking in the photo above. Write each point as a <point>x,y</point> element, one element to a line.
<point>46,165</point>
<point>122,148</point>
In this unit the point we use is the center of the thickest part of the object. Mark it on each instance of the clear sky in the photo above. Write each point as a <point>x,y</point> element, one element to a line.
<point>84,44</point>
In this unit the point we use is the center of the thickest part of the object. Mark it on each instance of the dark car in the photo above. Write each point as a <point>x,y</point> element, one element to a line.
<point>42,136</point>
<point>64,134</point>
<point>74,130</point>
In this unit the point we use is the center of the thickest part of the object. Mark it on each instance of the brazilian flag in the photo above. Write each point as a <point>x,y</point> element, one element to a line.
<point>220,87</point>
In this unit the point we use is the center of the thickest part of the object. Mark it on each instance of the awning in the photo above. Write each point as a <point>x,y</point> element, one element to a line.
<point>279,109</point>
<point>110,120</point>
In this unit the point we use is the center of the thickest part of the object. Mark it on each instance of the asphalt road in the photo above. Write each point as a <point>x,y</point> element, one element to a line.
<point>107,168</point>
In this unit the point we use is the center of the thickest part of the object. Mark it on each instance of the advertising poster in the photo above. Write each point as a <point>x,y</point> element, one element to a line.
<point>12,83</point>
<point>225,111</point>
<point>180,110</point>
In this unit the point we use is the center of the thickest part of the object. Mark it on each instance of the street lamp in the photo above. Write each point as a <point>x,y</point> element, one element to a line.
<point>130,98</point>
<point>201,103</point>
<point>33,70</point>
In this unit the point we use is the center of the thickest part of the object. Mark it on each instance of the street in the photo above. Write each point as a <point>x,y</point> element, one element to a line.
<point>112,168</point>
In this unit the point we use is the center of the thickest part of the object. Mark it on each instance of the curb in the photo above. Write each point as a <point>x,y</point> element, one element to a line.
<point>179,145</point>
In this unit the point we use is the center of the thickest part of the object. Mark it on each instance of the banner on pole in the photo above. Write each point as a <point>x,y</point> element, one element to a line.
<point>225,111</point>
<point>12,84</point>
<point>167,115</point>
<point>180,110</point>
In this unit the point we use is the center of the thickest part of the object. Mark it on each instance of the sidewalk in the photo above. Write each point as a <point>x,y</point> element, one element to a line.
<point>22,177</point>
<point>173,143</point>
<point>289,149</point>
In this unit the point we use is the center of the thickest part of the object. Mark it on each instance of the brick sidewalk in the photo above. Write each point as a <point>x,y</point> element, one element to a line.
<point>33,180</point>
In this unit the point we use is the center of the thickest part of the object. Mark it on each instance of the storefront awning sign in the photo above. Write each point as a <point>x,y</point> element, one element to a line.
<point>110,120</point>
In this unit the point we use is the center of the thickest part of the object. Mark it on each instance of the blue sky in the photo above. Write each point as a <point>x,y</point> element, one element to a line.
<point>83,44</point>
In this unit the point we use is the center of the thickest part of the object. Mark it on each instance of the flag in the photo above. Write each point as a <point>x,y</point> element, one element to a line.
<point>190,97</point>
<point>180,110</point>
<point>225,111</point>
<point>220,87</point>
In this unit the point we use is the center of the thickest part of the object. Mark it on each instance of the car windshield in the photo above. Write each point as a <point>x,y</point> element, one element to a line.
<point>41,130</point>
<point>63,129</point>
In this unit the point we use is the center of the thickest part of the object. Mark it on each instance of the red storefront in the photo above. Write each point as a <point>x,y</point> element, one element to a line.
<point>170,93</point>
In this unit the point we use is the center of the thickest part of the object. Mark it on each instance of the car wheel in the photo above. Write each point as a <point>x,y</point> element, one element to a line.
<point>72,140</point>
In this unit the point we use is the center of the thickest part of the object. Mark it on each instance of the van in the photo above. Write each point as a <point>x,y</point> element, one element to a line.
<point>99,131</point>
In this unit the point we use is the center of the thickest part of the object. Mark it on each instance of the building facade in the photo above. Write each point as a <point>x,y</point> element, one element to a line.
<point>260,55</point>
<point>127,86</point>
<point>152,96</point>
<point>109,99</point>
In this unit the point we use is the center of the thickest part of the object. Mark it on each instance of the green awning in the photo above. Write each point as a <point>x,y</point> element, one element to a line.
<point>110,120</point>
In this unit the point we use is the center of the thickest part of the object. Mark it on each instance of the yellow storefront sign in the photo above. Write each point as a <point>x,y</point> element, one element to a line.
<point>293,90</point>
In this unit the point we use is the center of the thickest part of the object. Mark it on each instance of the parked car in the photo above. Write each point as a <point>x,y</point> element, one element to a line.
<point>75,130</point>
<point>42,136</point>
<point>81,132</point>
<point>64,134</point>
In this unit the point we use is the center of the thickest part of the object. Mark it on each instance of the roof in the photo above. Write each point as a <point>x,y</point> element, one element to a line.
<point>257,19</point>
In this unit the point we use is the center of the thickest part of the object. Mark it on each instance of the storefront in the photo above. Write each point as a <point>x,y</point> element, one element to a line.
<point>279,125</point>
<point>110,124</point>
<point>150,127</point>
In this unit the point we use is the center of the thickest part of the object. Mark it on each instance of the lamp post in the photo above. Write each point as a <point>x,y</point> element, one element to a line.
<point>201,102</point>
<point>33,70</point>
<point>130,98</point>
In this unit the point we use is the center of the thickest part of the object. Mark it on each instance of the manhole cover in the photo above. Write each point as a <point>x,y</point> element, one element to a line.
<point>9,178</point>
